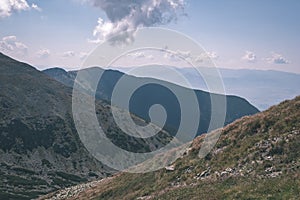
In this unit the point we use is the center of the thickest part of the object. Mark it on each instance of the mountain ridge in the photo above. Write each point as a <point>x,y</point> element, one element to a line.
<point>252,84</point>
<point>39,145</point>
<point>149,94</point>
<point>256,157</point>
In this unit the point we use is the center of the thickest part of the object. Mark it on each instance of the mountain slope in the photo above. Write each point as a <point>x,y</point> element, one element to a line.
<point>40,150</point>
<point>262,88</point>
<point>156,93</point>
<point>256,157</point>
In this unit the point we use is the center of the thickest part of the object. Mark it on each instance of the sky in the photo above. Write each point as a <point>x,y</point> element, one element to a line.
<point>252,34</point>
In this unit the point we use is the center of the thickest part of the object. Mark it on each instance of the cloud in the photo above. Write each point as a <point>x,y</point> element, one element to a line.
<point>22,47</point>
<point>184,54</point>
<point>7,43</point>
<point>102,31</point>
<point>8,7</point>
<point>187,55</point>
<point>150,57</point>
<point>140,54</point>
<point>125,17</point>
<point>10,44</point>
<point>83,55</point>
<point>137,54</point>
<point>249,57</point>
<point>211,55</point>
<point>36,7</point>
<point>177,55</point>
<point>277,59</point>
<point>43,53</point>
<point>206,55</point>
<point>68,54</point>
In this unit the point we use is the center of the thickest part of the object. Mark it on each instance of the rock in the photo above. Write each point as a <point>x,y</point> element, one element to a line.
<point>269,170</point>
<point>269,158</point>
<point>170,168</point>
<point>205,173</point>
<point>217,173</point>
<point>224,173</point>
<point>188,170</point>
<point>275,174</point>
<point>229,170</point>
<point>144,198</point>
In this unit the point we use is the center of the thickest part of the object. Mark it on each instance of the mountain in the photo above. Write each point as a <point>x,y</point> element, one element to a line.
<point>156,92</point>
<point>256,157</point>
<point>262,88</point>
<point>40,149</point>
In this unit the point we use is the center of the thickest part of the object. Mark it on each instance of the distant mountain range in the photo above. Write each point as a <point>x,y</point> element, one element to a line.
<point>156,93</point>
<point>256,157</point>
<point>262,88</point>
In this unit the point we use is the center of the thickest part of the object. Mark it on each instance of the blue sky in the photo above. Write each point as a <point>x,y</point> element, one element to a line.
<point>254,34</point>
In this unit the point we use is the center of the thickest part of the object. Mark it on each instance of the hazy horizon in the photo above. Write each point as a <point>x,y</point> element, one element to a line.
<point>237,35</point>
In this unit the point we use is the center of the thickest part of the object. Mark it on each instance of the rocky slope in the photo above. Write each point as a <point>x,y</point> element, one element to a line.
<point>40,150</point>
<point>256,157</point>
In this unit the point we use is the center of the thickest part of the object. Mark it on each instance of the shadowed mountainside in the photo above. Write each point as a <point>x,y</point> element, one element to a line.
<point>262,88</point>
<point>156,92</point>
<point>40,150</point>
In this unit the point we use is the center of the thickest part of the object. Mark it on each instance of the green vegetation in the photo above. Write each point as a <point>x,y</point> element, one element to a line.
<point>23,170</point>
<point>256,157</point>
<point>70,177</point>
<point>239,188</point>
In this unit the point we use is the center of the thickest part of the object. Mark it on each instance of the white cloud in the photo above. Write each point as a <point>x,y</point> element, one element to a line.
<point>138,54</point>
<point>7,7</point>
<point>21,46</point>
<point>7,43</point>
<point>184,54</point>
<point>150,57</point>
<point>10,44</point>
<point>68,54</point>
<point>187,55</point>
<point>177,55</point>
<point>36,7</point>
<point>206,55</point>
<point>211,55</point>
<point>83,55</point>
<point>43,53</point>
<point>141,54</point>
<point>277,59</point>
<point>125,17</point>
<point>249,57</point>
<point>102,30</point>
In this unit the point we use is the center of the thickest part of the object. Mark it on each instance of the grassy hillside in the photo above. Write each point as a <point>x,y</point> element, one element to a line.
<point>256,157</point>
